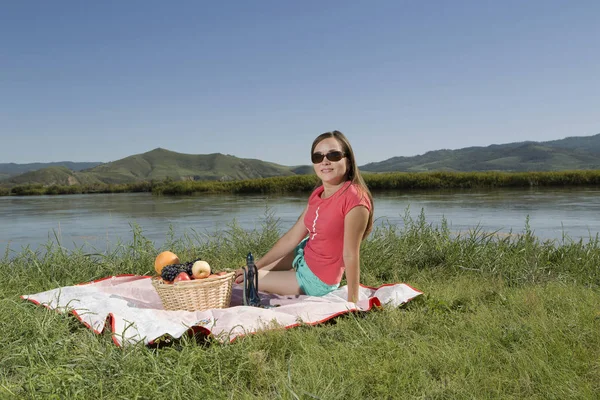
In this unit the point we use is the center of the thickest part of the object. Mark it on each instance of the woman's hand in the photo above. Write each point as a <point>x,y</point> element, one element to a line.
<point>239,275</point>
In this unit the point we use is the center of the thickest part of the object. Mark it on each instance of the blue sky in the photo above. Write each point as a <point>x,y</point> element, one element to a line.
<point>99,81</point>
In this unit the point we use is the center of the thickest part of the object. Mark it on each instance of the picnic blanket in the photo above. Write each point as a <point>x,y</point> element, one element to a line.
<point>130,306</point>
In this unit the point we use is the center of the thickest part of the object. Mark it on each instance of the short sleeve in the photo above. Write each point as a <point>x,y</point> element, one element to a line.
<point>355,197</point>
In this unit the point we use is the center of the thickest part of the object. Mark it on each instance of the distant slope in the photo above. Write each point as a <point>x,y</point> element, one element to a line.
<point>11,169</point>
<point>580,143</point>
<point>556,155</point>
<point>303,170</point>
<point>158,164</point>
<point>53,176</point>
<point>161,164</point>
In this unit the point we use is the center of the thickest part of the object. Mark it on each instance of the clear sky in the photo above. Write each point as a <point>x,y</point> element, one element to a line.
<point>102,80</point>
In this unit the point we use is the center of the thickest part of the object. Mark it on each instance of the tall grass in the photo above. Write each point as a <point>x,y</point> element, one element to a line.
<point>501,317</point>
<point>305,183</point>
<point>494,179</point>
<point>391,181</point>
<point>36,189</point>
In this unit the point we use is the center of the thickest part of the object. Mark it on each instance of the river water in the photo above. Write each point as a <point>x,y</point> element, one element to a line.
<point>99,221</point>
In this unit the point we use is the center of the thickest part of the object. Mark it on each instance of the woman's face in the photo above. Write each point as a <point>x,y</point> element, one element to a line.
<point>330,172</point>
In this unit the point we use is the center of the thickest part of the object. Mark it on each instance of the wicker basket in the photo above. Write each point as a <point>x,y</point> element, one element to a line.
<point>197,294</point>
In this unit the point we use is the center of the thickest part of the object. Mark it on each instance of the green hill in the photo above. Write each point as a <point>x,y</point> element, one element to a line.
<point>160,164</point>
<point>54,176</point>
<point>579,143</point>
<point>557,155</point>
<point>303,170</point>
<point>12,169</point>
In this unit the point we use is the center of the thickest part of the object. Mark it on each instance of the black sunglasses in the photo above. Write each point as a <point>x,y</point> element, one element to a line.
<point>333,155</point>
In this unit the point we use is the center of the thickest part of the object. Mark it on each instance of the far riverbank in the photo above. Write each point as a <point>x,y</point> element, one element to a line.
<point>305,183</point>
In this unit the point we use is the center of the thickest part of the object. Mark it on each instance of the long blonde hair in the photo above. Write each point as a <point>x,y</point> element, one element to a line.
<point>352,172</point>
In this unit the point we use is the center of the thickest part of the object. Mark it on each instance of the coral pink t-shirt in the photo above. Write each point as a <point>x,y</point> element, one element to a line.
<point>324,220</point>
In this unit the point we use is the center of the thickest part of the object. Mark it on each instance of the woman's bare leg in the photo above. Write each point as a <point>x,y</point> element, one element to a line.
<point>279,277</point>
<point>283,264</point>
<point>278,282</point>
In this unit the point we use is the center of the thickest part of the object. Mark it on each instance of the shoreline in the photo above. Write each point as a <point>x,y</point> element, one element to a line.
<point>306,183</point>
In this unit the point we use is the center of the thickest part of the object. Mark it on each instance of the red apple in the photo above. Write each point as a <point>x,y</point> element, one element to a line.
<point>182,276</point>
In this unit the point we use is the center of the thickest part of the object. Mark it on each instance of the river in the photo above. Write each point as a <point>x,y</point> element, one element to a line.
<point>97,222</point>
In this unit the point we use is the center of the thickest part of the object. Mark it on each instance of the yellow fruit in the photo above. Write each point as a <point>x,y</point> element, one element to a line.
<point>163,259</point>
<point>200,269</point>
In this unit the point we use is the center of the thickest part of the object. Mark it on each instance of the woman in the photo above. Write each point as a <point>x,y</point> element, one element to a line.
<point>325,241</point>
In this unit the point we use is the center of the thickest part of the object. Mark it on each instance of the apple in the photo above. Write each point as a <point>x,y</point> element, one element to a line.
<point>200,269</point>
<point>222,273</point>
<point>182,276</point>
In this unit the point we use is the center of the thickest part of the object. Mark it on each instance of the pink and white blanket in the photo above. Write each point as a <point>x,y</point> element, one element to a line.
<point>133,310</point>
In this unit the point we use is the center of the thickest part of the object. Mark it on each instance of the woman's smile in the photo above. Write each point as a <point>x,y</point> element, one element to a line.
<point>330,172</point>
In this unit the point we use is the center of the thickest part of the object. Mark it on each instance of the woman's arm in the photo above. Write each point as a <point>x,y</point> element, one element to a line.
<point>285,244</point>
<point>355,224</point>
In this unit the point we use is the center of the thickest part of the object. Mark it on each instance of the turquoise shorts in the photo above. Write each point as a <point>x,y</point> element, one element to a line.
<point>309,282</point>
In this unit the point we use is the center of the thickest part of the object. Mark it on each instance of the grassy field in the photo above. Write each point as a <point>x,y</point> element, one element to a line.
<point>500,318</point>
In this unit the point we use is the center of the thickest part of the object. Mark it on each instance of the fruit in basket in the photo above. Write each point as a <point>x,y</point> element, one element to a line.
<point>222,273</point>
<point>182,276</point>
<point>200,269</point>
<point>169,272</point>
<point>188,266</point>
<point>163,259</point>
<point>188,269</point>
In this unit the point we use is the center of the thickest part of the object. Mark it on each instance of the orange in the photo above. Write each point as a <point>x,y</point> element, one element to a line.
<point>163,259</point>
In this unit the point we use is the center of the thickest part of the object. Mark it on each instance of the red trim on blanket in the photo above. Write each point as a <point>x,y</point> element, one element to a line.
<point>373,301</point>
<point>110,277</point>
<point>389,284</point>
<point>190,332</point>
<point>110,319</point>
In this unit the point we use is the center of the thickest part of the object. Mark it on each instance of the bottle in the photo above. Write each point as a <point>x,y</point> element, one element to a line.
<point>251,297</point>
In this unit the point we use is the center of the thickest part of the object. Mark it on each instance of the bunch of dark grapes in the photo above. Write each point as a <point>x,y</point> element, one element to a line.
<point>169,272</point>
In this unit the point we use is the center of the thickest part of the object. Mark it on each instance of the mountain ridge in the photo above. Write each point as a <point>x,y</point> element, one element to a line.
<point>12,169</point>
<point>570,153</point>
<point>157,164</point>
<point>575,152</point>
<point>161,164</point>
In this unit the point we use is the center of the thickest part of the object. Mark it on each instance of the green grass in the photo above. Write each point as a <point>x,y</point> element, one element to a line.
<point>502,318</point>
